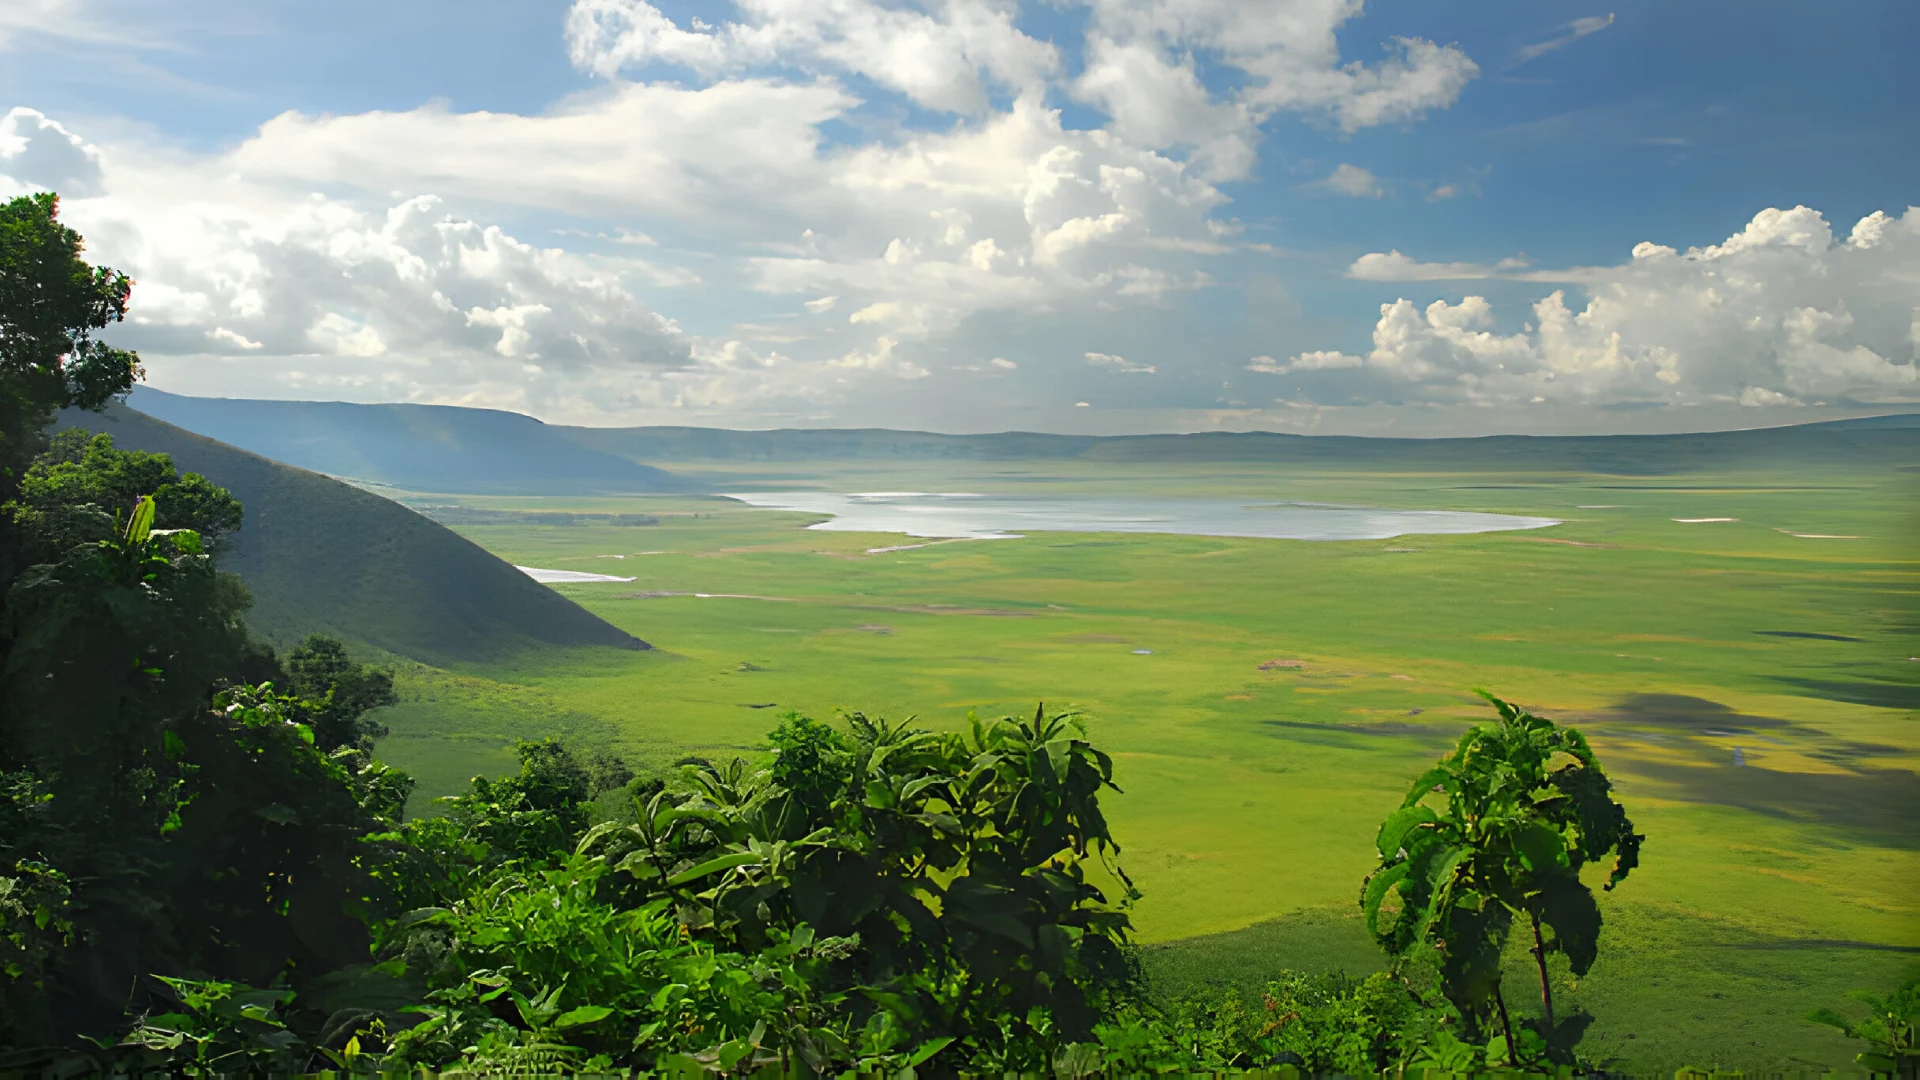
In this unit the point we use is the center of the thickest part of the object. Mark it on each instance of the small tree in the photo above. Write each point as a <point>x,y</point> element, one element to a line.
<point>339,693</point>
<point>1891,1029</point>
<point>1526,808</point>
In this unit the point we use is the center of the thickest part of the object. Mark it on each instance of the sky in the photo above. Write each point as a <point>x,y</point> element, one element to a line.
<point>1416,217</point>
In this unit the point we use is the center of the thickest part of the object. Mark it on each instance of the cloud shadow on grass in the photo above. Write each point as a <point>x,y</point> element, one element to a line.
<point>1871,803</point>
<point>1363,736</point>
<point>1883,695</point>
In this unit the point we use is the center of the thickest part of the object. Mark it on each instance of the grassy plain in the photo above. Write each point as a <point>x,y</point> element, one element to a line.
<point>1294,688</point>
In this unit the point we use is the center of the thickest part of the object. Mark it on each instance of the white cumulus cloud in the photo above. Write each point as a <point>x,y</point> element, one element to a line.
<point>239,341</point>
<point>1782,312</point>
<point>1353,181</point>
<point>38,154</point>
<point>947,58</point>
<point>1393,266</point>
<point>1140,63</point>
<point>1120,364</point>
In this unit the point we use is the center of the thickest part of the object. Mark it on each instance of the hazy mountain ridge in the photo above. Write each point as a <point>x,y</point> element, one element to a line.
<point>324,556</point>
<point>414,447</point>
<point>1872,439</point>
<point>463,450</point>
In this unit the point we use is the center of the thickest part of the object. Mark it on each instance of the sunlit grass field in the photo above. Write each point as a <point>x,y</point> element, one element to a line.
<point>1750,683</point>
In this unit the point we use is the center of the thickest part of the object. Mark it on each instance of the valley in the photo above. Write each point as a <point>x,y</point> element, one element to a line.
<point>1731,619</point>
<point>1735,643</point>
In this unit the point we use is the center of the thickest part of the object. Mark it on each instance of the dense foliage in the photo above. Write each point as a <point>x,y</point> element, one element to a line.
<point>877,894</point>
<point>204,870</point>
<point>71,493</point>
<point>162,810</point>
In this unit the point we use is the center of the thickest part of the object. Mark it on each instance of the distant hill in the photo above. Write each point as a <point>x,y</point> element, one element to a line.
<point>459,450</point>
<point>430,448</point>
<point>324,556</point>
<point>1873,439</point>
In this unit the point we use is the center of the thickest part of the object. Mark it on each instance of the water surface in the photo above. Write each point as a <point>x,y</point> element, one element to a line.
<point>558,577</point>
<point>1004,517</point>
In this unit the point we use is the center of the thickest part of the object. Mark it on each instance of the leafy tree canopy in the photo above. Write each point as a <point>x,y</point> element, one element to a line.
<point>52,302</point>
<point>74,492</point>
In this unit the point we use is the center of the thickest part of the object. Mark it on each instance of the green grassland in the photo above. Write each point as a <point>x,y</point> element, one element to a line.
<point>1294,688</point>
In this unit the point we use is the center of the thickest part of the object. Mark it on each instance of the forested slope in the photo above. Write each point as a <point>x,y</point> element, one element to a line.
<point>323,556</point>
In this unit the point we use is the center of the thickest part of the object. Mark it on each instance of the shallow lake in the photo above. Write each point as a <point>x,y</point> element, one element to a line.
<point>1001,517</point>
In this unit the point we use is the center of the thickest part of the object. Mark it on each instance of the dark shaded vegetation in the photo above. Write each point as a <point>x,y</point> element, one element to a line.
<point>156,813</point>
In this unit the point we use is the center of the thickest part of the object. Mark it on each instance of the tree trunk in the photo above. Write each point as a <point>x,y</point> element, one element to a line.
<point>1540,958</point>
<point>1506,1025</point>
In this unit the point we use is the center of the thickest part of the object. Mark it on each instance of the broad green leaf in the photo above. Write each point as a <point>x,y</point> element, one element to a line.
<point>1059,754</point>
<point>1004,925</point>
<point>1377,886</point>
<point>185,541</point>
<point>1424,785</point>
<point>1393,832</point>
<point>714,866</point>
<point>927,1050</point>
<point>1567,906</point>
<point>639,864</point>
<point>1541,848</point>
<point>585,1014</point>
<point>732,1052</point>
<point>140,522</point>
<point>1440,879</point>
<point>915,787</point>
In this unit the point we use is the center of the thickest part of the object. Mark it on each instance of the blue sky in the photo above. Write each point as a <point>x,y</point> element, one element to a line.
<point>771,213</point>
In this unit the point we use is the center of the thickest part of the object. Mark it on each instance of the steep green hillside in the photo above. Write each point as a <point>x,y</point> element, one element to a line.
<point>321,555</point>
<point>412,447</point>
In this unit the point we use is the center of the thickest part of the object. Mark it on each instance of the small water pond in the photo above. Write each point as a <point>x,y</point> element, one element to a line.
<point>565,577</point>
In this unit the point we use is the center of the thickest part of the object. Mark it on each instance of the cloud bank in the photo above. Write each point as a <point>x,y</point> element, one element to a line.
<point>1782,313</point>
